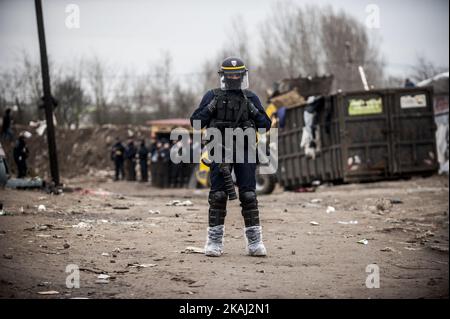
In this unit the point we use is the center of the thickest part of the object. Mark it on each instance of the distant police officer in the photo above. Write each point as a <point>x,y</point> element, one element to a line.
<point>118,156</point>
<point>20,153</point>
<point>233,106</point>
<point>130,156</point>
<point>143,161</point>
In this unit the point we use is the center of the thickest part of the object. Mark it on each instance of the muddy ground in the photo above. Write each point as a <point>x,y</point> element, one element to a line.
<point>405,224</point>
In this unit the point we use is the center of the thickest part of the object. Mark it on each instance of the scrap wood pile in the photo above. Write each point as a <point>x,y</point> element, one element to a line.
<point>291,92</point>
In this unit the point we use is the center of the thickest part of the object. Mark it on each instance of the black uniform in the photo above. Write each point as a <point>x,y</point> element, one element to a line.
<point>228,104</point>
<point>118,156</point>
<point>6,125</point>
<point>143,157</point>
<point>130,156</point>
<point>232,106</point>
<point>20,154</point>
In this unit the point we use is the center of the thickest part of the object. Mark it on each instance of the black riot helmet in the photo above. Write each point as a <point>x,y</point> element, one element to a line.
<point>233,74</point>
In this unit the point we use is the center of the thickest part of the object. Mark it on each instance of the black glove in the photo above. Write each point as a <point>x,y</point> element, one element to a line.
<point>254,111</point>
<point>212,106</point>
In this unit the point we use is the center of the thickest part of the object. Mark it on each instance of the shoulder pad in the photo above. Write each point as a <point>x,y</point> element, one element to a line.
<point>218,92</point>
<point>248,93</point>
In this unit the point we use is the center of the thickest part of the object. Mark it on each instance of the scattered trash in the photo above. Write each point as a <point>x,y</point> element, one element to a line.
<point>261,271</point>
<point>105,254</point>
<point>316,183</point>
<point>442,249</point>
<point>387,249</point>
<point>316,200</point>
<point>396,201</point>
<point>102,281</point>
<point>383,204</point>
<point>313,223</point>
<point>351,222</point>
<point>293,252</point>
<point>158,258</point>
<point>43,227</point>
<point>177,202</point>
<point>5,213</point>
<point>245,289</point>
<point>50,292</point>
<point>305,190</point>
<point>156,212</point>
<point>44,284</point>
<point>425,235</point>
<point>24,183</point>
<point>103,276</point>
<point>82,225</point>
<point>98,192</point>
<point>194,250</point>
<point>331,209</point>
<point>27,134</point>
<point>41,208</point>
<point>121,207</point>
<point>66,246</point>
<point>137,265</point>
<point>363,241</point>
<point>311,205</point>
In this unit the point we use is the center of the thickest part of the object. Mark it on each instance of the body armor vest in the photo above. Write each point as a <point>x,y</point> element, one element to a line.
<point>232,109</point>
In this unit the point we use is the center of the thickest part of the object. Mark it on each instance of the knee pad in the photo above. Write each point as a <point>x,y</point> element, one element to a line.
<point>250,210</point>
<point>218,199</point>
<point>248,200</point>
<point>217,208</point>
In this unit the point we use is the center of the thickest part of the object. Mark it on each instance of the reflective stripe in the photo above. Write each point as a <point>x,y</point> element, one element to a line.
<point>233,67</point>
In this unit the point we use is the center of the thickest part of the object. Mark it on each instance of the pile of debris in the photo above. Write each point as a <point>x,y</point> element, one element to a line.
<point>80,151</point>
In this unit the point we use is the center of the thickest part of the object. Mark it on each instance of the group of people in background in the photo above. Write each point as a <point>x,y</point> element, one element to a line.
<point>125,158</point>
<point>155,157</point>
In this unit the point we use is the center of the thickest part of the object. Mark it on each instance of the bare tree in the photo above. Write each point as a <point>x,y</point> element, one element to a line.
<point>425,69</point>
<point>184,101</point>
<point>72,101</point>
<point>311,41</point>
<point>346,45</point>
<point>100,80</point>
<point>161,80</point>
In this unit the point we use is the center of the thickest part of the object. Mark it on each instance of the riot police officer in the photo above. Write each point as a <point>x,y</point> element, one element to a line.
<point>233,106</point>
<point>118,156</point>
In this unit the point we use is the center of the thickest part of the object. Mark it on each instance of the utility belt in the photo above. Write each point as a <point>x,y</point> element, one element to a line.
<point>229,124</point>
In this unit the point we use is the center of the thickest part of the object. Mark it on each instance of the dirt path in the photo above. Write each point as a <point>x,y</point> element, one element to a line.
<point>408,241</point>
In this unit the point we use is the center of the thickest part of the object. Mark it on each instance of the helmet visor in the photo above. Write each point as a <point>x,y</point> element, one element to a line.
<point>234,80</point>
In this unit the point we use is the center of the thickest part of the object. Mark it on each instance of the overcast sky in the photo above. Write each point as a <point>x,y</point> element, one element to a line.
<point>131,34</point>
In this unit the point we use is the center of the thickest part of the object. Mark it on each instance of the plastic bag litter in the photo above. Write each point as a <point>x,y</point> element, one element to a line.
<point>177,202</point>
<point>331,209</point>
<point>50,292</point>
<point>194,250</point>
<point>363,241</point>
<point>351,222</point>
<point>82,225</point>
<point>137,265</point>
